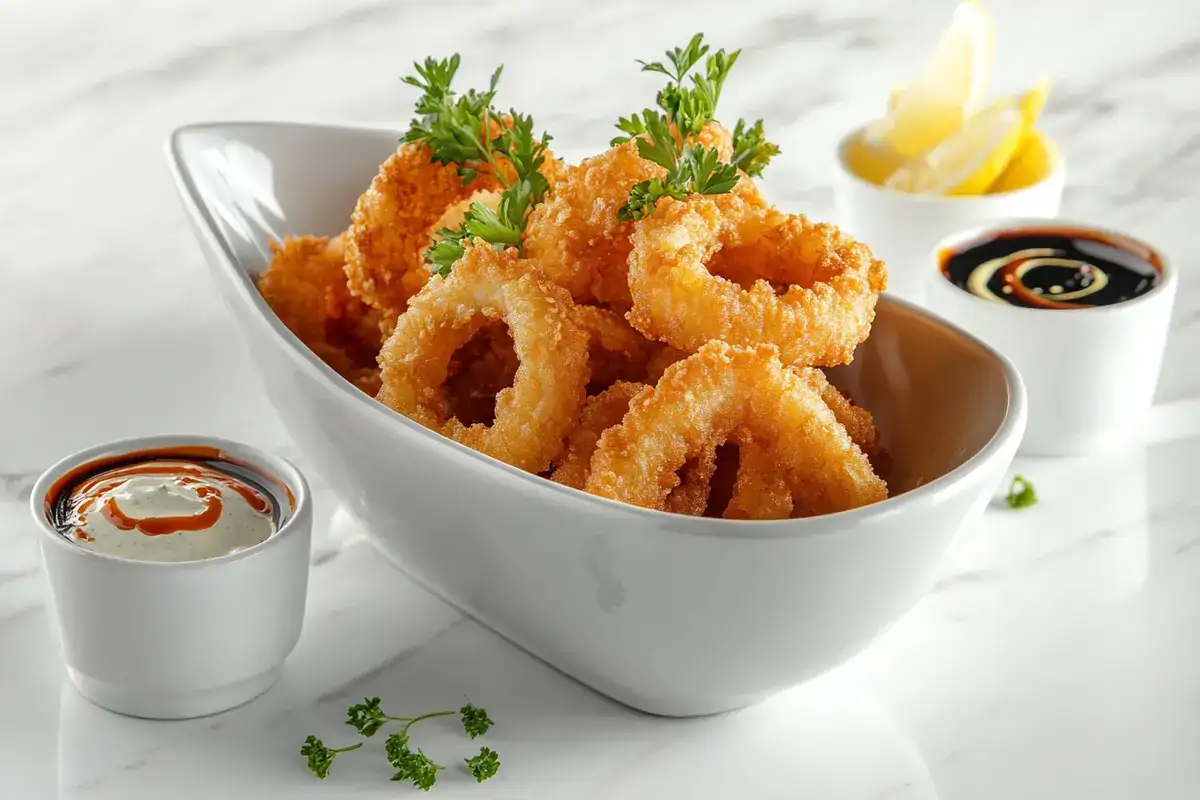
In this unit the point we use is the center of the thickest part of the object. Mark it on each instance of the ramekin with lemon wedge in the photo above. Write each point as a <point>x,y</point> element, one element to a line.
<point>942,159</point>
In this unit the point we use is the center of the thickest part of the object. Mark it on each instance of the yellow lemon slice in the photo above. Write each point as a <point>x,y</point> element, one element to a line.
<point>1031,164</point>
<point>1032,102</point>
<point>949,86</point>
<point>970,160</point>
<point>872,164</point>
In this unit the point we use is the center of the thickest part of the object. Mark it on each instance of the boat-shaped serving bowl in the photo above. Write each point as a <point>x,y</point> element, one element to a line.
<point>670,614</point>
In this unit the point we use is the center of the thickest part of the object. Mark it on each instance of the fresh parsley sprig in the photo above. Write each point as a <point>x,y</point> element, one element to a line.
<point>456,128</point>
<point>751,150</point>
<point>484,765</point>
<point>320,758</point>
<point>687,107</point>
<point>502,227</point>
<point>368,717</point>
<point>690,169</point>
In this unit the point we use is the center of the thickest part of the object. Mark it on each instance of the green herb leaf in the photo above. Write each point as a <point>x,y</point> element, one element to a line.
<point>366,717</point>
<point>484,765</point>
<point>698,170</point>
<point>658,145</point>
<point>454,128</point>
<point>416,767</point>
<point>475,721</point>
<point>320,758</point>
<point>682,61</point>
<point>633,126</point>
<point>504,226</point>
<point>751,150</point>
<point>1021,493</point>
<point>702,171</point>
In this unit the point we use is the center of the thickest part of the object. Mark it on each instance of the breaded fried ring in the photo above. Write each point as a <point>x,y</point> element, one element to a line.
<point>600,413</point>
<point>710,396</point>
<point>858,422</point>
<point>389,229</point>
<point>533,416</point>
<point>616,351</point>
<point>760,490</point>
<point>575,238</point>
<point>305,285</point>
<point>832,281</point>
<point>690,497</point>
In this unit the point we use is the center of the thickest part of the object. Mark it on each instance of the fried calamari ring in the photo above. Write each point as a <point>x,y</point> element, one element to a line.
<point>479,371</point>
<point>601,412</point>
<point>616,351</point>
<point>760,490</point>
<point>858,422</point>
<point>712,395</point>
<point>832,281</point>
<point>575,238</point>
<point>534,415</point>
<point>389,229</point>
<point>305,285</point>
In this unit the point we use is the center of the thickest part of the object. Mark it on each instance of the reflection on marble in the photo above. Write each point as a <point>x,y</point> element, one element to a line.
<point>1057,657</point>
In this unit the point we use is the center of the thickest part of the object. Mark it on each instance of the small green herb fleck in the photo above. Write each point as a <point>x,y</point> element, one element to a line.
<point>1021,493</point>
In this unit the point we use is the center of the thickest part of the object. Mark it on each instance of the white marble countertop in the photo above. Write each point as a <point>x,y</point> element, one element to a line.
<point>1057,658</point>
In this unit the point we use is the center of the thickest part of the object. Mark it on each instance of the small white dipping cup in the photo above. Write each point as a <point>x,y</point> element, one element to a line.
<point>900,228</point>
<point>1090,373</point>
<point>185,639</point>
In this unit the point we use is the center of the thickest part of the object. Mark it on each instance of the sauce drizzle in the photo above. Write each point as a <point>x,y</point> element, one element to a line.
<point>1053,267</point>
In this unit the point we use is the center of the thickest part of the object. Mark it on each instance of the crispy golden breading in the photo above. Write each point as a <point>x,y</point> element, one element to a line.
<point>305,285</point>
<point>389,230</point>
<point>832,281</point>
<point>711,396</point>
<point>534,415</point>
<point>574,236</point>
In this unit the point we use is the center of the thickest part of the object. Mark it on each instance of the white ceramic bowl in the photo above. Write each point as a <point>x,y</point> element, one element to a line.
<point>1090,372</point>
<point>671,614</point>
<point>901,228</point>
<point>181,639</point>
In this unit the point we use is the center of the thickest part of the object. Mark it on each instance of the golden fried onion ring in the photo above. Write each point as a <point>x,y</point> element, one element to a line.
<point>832,281</point>
<point>715,394</point>
<point>534,415</point>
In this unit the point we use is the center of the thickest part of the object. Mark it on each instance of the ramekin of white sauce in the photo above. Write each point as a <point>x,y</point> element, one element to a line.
<point>178,568</point>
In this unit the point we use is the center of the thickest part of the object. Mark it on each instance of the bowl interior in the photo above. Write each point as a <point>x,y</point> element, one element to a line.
<point>938,396</point>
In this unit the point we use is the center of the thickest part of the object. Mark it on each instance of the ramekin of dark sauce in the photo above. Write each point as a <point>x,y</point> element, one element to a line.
<point>164,606</point>
<point>1083,312</point>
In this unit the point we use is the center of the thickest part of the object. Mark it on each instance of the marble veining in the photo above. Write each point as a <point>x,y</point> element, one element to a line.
<point>1057,655</point>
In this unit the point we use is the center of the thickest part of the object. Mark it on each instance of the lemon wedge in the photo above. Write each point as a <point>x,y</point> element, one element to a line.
<point>970,160</point>
<point>1033,101</point>
<point>949,86</point>
<point>1031,164</point>
<point>872,164</point>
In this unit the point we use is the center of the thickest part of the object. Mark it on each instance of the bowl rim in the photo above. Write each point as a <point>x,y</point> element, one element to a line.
<point>271,465</point>
<point>1058,174</point>
<point>1006,436</point>
<point>1166,286</point>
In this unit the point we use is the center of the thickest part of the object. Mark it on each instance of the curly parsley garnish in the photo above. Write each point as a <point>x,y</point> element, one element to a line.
<point>690,170</point>
<point>320,758</point>
<point>368,717</point>
<point>1021,493</point>
<point>751,150</point>
<point>458,130</point>
<point>484,765</point>
<point>688,107</point>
